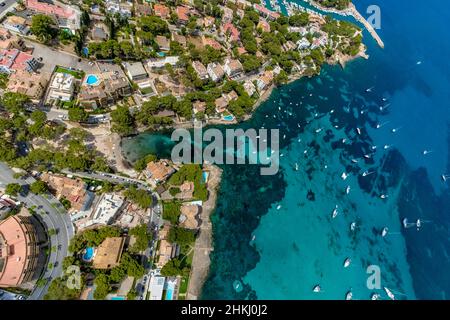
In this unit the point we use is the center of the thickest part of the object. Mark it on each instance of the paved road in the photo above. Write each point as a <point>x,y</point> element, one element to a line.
<point>9,4</point>
<point>109,177</point>
<point>56,218</point>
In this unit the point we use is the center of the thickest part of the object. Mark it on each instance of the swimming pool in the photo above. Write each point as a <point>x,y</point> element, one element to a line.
<point>228,117</point>
<point>118,298</point>
<point>161,54</point>
<point>205,175</point>
<point>85,51</point>
<point>88,254</point>
<point>170,290</point>
<point>92,80</point>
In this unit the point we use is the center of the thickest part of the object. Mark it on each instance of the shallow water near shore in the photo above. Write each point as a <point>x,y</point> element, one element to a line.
<point>275,235</point>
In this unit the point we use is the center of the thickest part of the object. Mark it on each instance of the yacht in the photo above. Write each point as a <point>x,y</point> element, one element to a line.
<point>389,293</point>
<point>349,295</point>
<point>353,226</point>
<point>384,232</point>
<point>367,156</point>
<point>366,173</point>
<point>344,176</point>
<point>358,130</point>
<point>317,288</point>
<point>375,296</point>
<point>347,262</point>
<point>335,212</point>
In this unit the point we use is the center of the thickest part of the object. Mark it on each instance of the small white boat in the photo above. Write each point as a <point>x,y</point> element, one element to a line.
<point>367,156</point>
<point>296,166</point>
<point>317,288</point>
<point>389,293</point>
<point>354,161</point>
<point>353,226</point>
<point>419,63</point>
<point>347,190</point>
<point>358,130</point>
<point>425,152</point>
<point>253,238</point>
<point>444,177</point>
<point>384,196</point>
<point>344,176</point>
<point>369,89</point>
<point>418,224</point>
<point>384,232</point>
<point>347,262</point>
<point>332,111</point>
<point>384,99</point>
<point>395,130</point>
<point>374,147</point>
<point>366,173</point>
<point>344,140</point>
<point>405,223</point>
<point>319,130</point>
<point>335,212</point>
<point>349,295</point>
<point>279,207</point>
<point>386,146</point>
<point>375,296</point>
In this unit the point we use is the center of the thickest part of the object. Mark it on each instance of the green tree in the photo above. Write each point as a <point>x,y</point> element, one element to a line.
<point>42,27</point>
<point>39,187</point>
<point>122,121</point>
<point>13,189</point>
<point>139,196</point>
<point>78,114</point>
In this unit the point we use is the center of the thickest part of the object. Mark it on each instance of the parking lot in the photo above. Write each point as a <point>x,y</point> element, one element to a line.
<point>51,58</point>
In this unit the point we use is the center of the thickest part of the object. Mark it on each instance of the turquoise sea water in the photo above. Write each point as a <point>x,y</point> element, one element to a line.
<point>274,236</point>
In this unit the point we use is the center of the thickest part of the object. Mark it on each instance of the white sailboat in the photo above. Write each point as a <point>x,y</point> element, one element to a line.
<point>347,262</point>
<point>347,190</point>
<point>389,293</point>
<point>335,212</point>
<point>375,296</point>
<point>317,288</point>
<point>349,295</point>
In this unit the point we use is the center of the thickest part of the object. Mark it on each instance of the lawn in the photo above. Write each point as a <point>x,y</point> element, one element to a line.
<point>76,73</point>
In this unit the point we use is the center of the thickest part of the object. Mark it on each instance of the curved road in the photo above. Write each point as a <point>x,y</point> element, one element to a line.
<point>56,218</point>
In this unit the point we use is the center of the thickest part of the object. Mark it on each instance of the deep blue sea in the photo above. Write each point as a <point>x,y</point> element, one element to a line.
<point>274,236</point>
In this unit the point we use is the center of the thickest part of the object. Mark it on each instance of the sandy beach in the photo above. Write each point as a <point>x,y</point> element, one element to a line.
<point>203,243</point>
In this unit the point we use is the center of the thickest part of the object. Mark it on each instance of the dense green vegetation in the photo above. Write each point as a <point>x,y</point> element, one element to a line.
<point>92,238</point>
<point>141,164</point>
<point>171,211</point>
<point>141,197</point>
<point>142,236</point>
<point>338,4</point>
<point>43,27</point>
<point>13,189</point>
<point>39,187</point>
<point>193,173</point>
<point>58,290</point>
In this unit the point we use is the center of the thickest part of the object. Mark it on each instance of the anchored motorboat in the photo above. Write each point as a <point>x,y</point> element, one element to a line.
<point>335,212</point>
<point>384,232</point>
<point>347,262</point>
<point>389,293</point>
<point>353,226</point>
<point>317,288</point>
